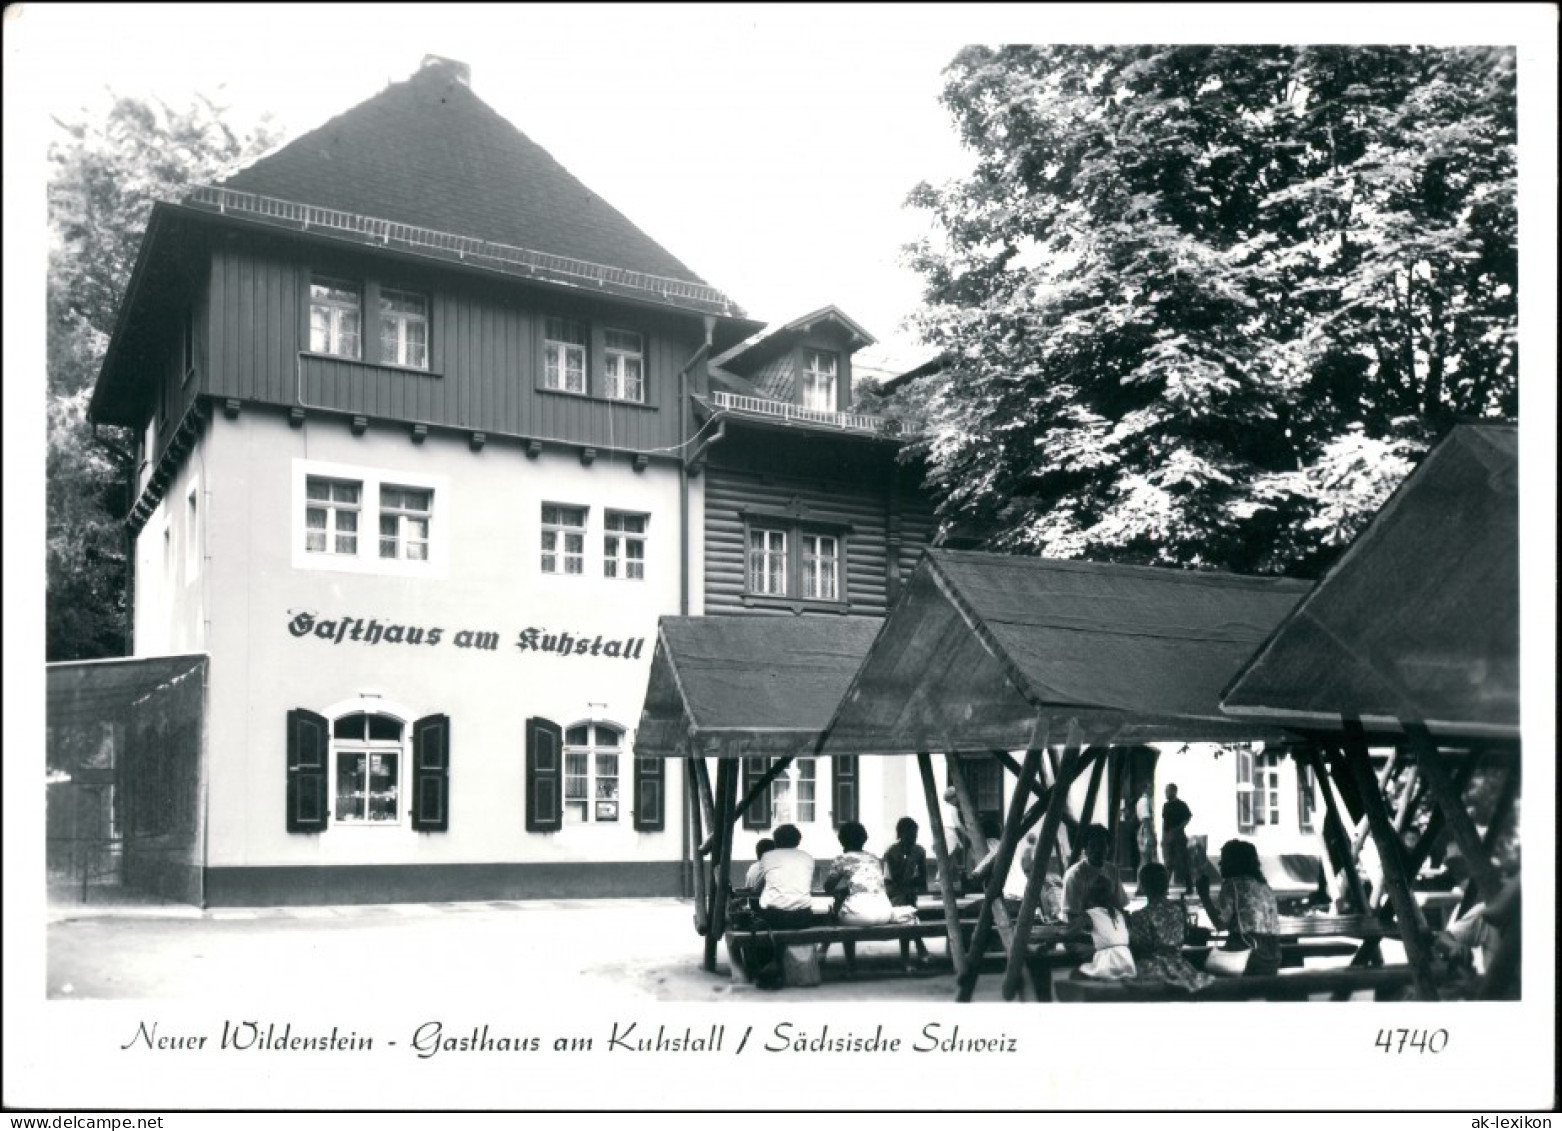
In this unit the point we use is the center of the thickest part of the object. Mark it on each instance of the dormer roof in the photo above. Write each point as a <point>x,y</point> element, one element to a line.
<point>749,356</point>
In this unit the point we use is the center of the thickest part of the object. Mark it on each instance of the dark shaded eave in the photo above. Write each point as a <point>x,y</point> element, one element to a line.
<point>739,686</point>
<point>985,652</point>
<point>1419,619</point>
<point>114,398</point>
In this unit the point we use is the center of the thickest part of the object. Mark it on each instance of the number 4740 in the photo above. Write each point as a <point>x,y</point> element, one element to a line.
<point>1415,1040</point>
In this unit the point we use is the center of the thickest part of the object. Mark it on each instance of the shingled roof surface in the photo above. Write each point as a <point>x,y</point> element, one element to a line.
<point>1133,638</point>
<point>429,152</point>
<point>749,677</point>
<point>982,649</point>
<point>1419,620</point>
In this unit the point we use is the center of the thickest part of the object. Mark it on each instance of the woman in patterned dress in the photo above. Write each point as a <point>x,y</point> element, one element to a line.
<point>1156,933</point>
<point>856,879</point>
<point>1246,905</point>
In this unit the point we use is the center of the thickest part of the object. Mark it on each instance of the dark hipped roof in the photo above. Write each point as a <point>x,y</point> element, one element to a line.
<point>981,647</point>
<point>767,683</point>
<point>427,151</point>
<point>1419,619</point>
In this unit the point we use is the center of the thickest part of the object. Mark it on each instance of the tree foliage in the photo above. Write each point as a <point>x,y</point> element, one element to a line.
<point>1206,306</point>
<point>105,174</point>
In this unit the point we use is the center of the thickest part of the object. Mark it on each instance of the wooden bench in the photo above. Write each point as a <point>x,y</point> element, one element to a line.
<point>1286,985</point>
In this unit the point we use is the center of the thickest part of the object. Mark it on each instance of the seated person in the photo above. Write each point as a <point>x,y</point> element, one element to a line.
<point>1013,882</point>
<point>905,877</point>
<point>1104,927</point>
<point>1076,881</point>
<point>856,879</point>
<point>1246,906</point>
<point>752,878</point>
<point>1479,930</point>
<point>785,878</point>
<point>1156,934</point>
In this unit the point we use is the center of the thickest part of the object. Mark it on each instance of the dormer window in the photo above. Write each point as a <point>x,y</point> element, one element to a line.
<point>334,318</point>
<point>564,356</point>
<point>819,380</point>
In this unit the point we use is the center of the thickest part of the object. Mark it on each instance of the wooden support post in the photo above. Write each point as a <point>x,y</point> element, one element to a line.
<point>1411,930</point>
<point>992,901</point>
<point>1332,815</point>
<point>707,805</point>
<point>726,792</point>
<point>973,824</point>
<point>1088,810</point>
<point>1114,797</point>
<point>1447,799</point>
<point>1006,760</point>
<point>691,810</point>
<point>1014,968</point>
<point>1362,826</point>
<point>935,818</point>
<point>1418,855</point>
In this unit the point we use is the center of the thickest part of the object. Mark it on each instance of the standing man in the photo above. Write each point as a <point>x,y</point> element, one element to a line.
<point>1175,816</point>
<point>1145,812</point>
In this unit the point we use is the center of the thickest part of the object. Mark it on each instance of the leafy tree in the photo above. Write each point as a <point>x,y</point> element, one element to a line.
<point>105,174</point>
<point>1206,306</point>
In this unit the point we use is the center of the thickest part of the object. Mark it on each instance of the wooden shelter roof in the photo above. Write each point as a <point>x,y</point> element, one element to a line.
<point>83,691</point>
<point>1419,620</point>
<point>730,686</point>
<point>982,647</point>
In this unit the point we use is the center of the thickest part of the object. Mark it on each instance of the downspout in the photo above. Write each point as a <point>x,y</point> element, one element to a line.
<point>127,460</point>
<point>686,854</point>
<point>684,439</point>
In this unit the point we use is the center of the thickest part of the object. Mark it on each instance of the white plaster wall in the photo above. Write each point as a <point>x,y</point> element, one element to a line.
<point>171,583</point>
<point>490,511</point>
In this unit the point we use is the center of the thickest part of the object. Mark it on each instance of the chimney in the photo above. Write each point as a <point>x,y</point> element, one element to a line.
<point>460,72</point>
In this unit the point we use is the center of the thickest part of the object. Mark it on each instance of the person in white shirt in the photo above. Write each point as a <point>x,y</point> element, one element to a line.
<point>786,881</point>
<point>752,878</point>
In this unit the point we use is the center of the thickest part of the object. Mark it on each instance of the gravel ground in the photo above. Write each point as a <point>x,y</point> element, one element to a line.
<point>610,950</point>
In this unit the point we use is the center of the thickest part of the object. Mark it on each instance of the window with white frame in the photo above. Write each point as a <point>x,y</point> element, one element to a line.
<point>368,755</point>
<point>1258,788</point>
<point>403,329</point>
<point>794,793</point>
<point>564,356</point>
<point>591,753</point>
<point>819,380</point>
<point>405,513</point>
<point>767,562</point>
<point>821,567</point>
<point>624,358</point>
<point>623,546</point>
<point>1306,798</point>
<point>335,317</point>
<point>331,515</point>
<point>563,539</point>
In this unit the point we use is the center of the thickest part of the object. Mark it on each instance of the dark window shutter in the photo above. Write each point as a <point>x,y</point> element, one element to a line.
<point>843,797</point>
<point>650,778</point>
<point>757,815</point>
<point>308,771</point>
<point>431,774</point>
<point>544,776</point>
